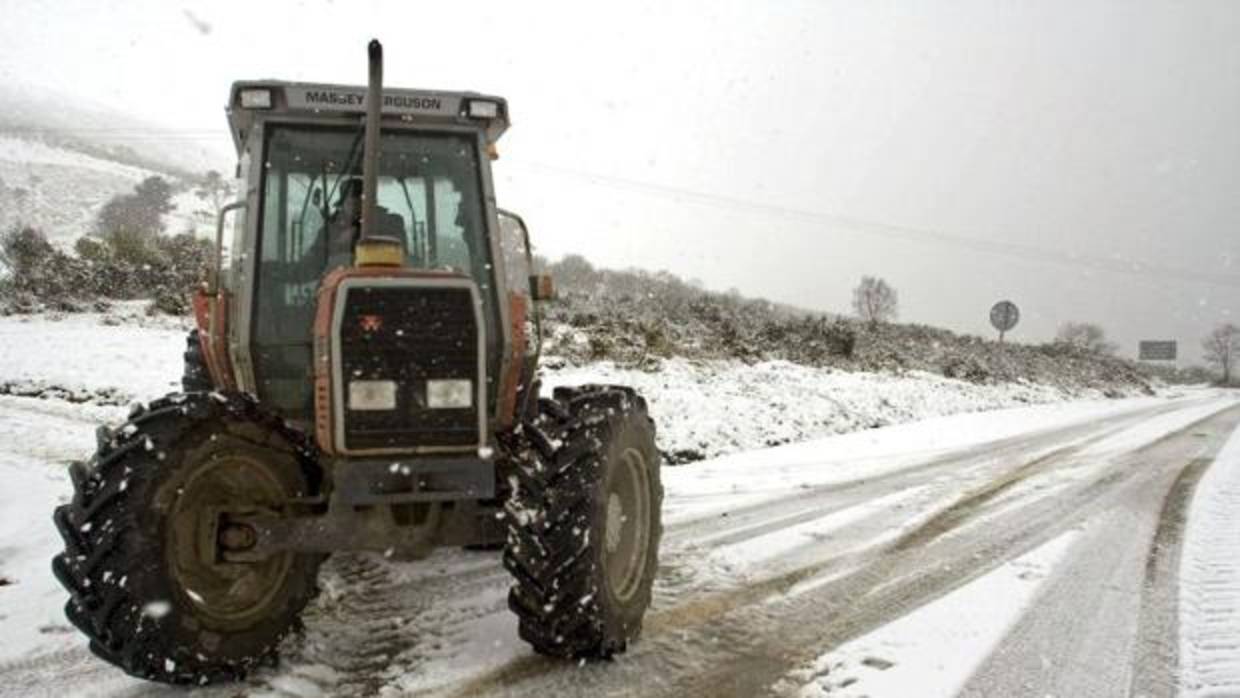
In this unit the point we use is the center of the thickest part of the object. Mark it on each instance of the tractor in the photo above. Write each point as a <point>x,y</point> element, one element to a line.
<point>363,376</point>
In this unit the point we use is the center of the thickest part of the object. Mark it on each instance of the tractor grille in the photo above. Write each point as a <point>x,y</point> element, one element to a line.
<point>409,335</point>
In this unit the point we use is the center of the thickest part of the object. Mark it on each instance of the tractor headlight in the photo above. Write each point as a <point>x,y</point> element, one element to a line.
<point>449,394</point>
<point>255,98</point>
<point>371,396</point>
<point>483,109</point>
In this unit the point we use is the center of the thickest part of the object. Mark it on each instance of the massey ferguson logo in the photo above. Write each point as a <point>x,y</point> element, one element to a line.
<point>371,323</point>
<point>334,99</point>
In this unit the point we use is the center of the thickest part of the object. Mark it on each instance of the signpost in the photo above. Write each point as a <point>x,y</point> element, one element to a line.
<point>1156,350</point>
<point>1003,316</point>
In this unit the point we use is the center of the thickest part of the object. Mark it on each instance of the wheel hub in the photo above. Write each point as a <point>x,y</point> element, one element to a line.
<point>237,537</point>
<point>229,593</point>
<point>626,539</point>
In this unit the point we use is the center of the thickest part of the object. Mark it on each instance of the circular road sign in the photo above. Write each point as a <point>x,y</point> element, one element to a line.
<point>1004,315</point>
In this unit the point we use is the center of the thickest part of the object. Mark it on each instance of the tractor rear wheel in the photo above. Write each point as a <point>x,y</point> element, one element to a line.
<point>584,522</point>
<point>195,378</point>
<point>145,531</point>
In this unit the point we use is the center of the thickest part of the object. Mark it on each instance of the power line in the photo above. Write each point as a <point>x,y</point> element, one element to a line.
<point>898,232</point>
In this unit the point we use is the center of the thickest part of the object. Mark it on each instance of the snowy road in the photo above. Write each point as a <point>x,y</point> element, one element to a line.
<point>1034,551</point>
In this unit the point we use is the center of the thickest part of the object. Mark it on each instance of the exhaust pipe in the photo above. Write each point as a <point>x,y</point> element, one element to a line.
<point>373,249</point>
<point>370,149</point>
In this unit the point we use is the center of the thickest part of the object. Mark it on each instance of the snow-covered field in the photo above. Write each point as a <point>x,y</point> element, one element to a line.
<point>122,353</point>
<point>959,550</point>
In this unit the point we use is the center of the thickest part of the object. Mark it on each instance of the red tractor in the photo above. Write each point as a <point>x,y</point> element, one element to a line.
<point>363,378</point>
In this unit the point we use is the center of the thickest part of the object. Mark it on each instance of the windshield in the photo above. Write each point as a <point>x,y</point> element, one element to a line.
<point>428,199</point>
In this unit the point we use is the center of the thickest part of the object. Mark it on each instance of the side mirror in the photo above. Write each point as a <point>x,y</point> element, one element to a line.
<point>542,288</point>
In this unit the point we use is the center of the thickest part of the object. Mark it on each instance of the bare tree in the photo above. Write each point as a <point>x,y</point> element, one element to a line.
<point>214,191</point>
<point>875,301</point>
<point>1085,335</point>
<point>1222,349</point>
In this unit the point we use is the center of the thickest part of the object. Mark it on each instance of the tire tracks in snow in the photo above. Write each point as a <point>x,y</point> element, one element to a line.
<point>772,515</point>
<point>357,627</point>
<point>1102,623</point>
<point>1156,667</point>
<point>374,620</point>
<point>997,468</point>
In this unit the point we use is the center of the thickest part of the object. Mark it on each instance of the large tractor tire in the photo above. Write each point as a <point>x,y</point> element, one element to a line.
<point>143,537</point>
<point>195,378</point>
<point>584,523</point>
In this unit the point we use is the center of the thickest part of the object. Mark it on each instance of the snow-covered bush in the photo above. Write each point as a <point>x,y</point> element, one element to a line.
<point>38,276</point>
<point>631,316</point>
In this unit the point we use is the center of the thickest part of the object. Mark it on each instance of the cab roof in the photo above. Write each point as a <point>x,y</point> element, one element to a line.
<point>251,100</point>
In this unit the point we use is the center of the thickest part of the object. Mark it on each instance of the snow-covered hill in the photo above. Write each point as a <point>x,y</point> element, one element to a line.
<point>60,162</point>
<point>56,190</point>
<point>60,190</point>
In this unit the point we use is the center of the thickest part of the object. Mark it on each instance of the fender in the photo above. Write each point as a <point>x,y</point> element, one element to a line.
<point>211,317</point>
<point>513,370</point>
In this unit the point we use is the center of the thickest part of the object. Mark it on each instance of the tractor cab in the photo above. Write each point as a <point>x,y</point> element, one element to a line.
<point>301,154</point>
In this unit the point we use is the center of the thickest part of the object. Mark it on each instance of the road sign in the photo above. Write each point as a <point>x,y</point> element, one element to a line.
<point>1156,350</point>
<point>1004,315</point>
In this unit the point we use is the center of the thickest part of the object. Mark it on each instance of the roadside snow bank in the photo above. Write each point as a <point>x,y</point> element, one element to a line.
<point>1210,581</point>
<point>705,409</point>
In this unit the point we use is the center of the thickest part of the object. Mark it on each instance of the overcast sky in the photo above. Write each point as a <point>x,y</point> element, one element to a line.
<point>1079,158</point>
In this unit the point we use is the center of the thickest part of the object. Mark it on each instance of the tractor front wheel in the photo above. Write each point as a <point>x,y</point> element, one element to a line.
<point>584,522</point>
<point>146,534</point>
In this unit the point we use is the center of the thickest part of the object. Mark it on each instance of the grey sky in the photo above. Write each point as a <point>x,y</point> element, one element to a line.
<point>784,148</point>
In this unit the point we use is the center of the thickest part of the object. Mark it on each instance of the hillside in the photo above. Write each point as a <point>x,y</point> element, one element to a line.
<point>637,318</point>
<point>60,190</point>
<point>60,162</point>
